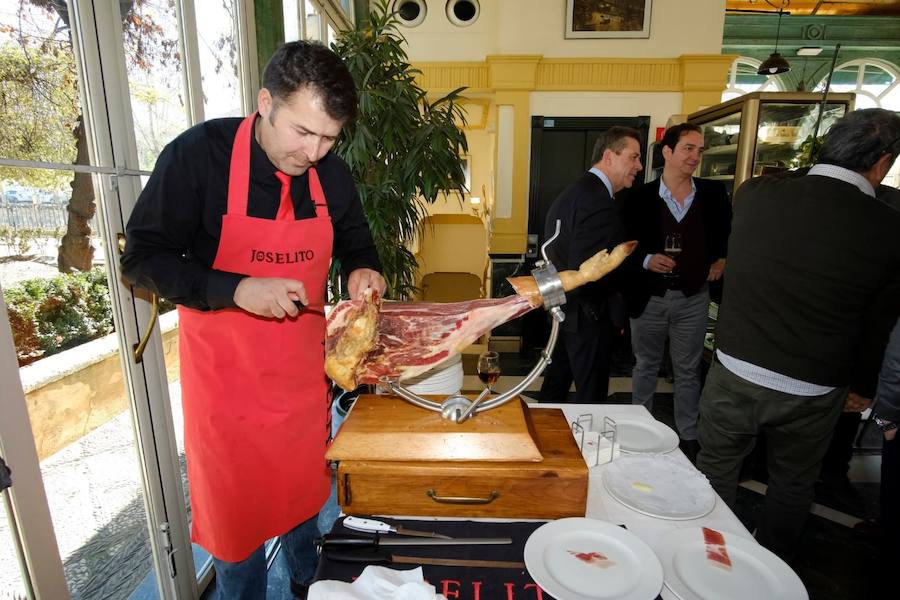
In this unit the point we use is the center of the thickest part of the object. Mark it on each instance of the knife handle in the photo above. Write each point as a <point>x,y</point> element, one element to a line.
<point>348,540</point>
<point>352,556</point>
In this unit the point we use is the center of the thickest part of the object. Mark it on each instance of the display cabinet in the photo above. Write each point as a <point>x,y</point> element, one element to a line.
<point>758,134</point>
<point>763,132</point>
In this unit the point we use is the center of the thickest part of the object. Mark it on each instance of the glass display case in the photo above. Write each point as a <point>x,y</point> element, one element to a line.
<point>763,132</point>
<point>757,134</point>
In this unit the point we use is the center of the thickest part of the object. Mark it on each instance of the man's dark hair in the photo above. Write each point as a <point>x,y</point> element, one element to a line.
<point>613,139</point>
<point>673,134</point>
<point>858,139</point>
<point>300,64</point>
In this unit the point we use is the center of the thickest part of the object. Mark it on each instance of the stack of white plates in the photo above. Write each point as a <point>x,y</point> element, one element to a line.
<point>444,378</point>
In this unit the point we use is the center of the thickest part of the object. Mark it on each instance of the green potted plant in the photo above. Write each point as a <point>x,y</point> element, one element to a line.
<point>404,149</point>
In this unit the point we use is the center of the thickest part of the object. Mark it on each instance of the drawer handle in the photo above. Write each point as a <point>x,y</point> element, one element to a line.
<point>462,499</point>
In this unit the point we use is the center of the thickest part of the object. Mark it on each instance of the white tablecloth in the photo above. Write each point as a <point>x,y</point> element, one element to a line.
<point>600,505</point>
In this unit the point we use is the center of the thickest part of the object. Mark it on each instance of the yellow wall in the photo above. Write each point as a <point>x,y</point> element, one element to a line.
<point>538,26</point>
<point>515,57</point>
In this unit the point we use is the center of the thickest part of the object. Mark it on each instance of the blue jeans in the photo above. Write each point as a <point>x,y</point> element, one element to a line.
<point>246,580</point>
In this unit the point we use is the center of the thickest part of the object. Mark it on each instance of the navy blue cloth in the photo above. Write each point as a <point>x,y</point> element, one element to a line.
<point>459,583</point>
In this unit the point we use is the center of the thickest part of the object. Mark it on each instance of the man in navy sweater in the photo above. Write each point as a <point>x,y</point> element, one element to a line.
<point>812,291</point>
<point>668,297</point>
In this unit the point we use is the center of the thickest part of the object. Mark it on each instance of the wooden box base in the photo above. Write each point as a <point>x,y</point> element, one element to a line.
<point>552,488</point>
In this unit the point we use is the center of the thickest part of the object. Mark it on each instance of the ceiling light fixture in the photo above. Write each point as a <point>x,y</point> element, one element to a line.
<point>809,51</point>
<point>775,64</point>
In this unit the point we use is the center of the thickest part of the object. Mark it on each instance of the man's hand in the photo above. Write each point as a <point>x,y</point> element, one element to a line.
<point>889,435</point>
<point>660,263</point>
<point>856,403</point>
<point>360,279</point>
<point>716,269</point>
<point>271,297</point>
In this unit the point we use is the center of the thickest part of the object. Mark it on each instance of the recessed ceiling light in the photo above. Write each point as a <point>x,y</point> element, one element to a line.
<point>809,51</point>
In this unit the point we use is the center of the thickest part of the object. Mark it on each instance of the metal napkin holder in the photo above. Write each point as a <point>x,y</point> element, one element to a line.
<point>607,431</point>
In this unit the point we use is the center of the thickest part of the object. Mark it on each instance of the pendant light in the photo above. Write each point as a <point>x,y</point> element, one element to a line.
<point>775,64</point>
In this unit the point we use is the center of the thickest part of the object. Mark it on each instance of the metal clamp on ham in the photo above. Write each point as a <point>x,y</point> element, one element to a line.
<point>370,342</point>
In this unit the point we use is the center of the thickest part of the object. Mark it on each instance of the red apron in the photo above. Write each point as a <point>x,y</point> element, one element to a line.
<point>254,390</point>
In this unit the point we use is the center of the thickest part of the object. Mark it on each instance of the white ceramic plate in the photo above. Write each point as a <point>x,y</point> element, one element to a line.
<point>586,559</point>
<point>639,436</point>
<point>660,486</point>
<point>755,571</point>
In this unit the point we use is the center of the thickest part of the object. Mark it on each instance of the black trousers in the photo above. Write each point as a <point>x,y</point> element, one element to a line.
<point>582,357</point>
<point>798,429</point>
<point>836,463</point>
<point>890,497</point>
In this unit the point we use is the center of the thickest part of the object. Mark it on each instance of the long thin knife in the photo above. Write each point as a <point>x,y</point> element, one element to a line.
<point>375,541</point>
<point>359,557</point>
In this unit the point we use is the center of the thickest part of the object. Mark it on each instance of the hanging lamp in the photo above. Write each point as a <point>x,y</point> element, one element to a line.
<point>775,64</point>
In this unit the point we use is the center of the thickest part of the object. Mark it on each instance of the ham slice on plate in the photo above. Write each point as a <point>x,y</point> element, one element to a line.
<point>715,548</point>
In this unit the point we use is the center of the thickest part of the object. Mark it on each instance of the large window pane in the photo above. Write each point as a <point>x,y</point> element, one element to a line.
<point>290,12</point>
<point>153,62</point>
<point>157,93</point>
<point>217,38</point>
<point>11,577</point>
<point>62,322</point>
<point>313,22</point>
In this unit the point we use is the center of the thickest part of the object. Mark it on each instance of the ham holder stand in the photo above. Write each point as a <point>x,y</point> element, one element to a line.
<point>511,462</point>
<point>458,408</point>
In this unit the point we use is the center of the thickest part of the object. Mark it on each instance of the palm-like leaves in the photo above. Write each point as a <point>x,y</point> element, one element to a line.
<point>403,149</point>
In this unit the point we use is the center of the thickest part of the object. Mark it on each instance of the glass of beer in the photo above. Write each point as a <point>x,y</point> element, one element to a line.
<point>489,369</point>
<point>672,250</point>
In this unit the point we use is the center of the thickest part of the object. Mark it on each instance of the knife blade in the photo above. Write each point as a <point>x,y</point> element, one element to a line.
<point>361,557</point>
<point>375,541</point>
<point>375,526</point>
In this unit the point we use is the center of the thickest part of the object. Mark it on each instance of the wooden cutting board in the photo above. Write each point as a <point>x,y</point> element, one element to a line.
<point>388,428</point>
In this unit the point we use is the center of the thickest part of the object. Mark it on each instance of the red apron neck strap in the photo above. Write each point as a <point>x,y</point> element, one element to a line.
<point>239,171</point>
<point>317,193</point>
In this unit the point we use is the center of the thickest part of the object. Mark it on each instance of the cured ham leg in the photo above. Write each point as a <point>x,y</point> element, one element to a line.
<point>367,339</point>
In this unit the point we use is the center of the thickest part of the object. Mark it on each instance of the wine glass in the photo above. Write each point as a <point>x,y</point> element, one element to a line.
<point>672,249</point>
<point>489,368</point>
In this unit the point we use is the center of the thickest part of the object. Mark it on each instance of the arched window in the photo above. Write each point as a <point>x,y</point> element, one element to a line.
<point>743,79</point>
<point>876,83</point>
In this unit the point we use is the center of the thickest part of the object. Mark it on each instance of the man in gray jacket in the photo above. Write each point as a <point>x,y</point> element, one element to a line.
<point>812,291</point>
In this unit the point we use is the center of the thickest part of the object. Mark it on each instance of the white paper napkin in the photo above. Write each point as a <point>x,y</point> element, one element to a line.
<point>596,449</point>
<point>377,583</point>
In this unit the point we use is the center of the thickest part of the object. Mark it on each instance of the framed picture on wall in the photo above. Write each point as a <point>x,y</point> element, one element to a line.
<point>607,19</point>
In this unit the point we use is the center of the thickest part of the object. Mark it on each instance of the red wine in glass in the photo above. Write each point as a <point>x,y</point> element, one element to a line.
<point>489,368</point>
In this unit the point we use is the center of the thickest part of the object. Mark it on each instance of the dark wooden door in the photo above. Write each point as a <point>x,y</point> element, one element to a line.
<point>560,152</point>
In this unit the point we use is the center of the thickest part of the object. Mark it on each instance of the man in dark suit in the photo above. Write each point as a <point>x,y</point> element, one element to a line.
<point>668,297</point>
<point>589,223</point>
<point>812,291</point>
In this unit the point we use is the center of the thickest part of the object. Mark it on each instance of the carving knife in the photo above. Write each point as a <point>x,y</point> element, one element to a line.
<point>374,559</point>
<point>351,541</point>
<point>375,526</point>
